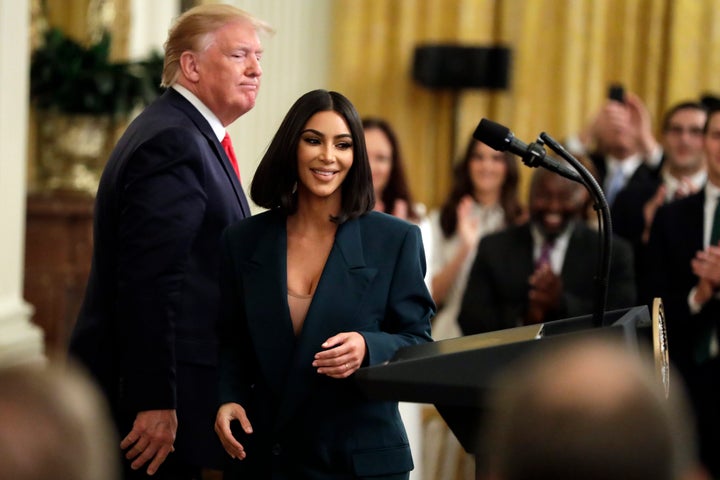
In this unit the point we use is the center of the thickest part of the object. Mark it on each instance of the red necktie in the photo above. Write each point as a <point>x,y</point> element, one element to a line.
<point>227,145</point>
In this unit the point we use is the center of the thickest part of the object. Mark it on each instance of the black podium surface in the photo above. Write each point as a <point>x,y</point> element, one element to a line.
<point>455,374</point>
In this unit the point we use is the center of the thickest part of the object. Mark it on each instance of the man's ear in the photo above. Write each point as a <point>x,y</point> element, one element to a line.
<point>189,66</point>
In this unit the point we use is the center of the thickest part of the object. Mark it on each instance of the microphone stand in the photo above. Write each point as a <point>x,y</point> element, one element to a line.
<point>600,205</point>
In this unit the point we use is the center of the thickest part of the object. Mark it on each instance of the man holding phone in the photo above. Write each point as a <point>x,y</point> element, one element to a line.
<point>619,142</point>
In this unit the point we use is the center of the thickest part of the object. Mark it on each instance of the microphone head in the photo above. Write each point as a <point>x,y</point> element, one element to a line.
<point>493,134</point>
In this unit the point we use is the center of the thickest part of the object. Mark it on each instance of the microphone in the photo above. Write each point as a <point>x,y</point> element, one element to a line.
<point>534,155</point>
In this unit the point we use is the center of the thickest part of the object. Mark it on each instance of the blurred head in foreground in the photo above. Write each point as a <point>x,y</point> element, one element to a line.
<point>590,409</point>
<point>54,424</point>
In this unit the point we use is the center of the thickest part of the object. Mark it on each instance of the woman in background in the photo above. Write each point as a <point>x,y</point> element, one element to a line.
<point>483,199</point>
<point>392,193</point>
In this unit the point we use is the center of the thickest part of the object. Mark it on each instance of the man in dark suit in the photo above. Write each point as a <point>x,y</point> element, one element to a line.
<point>683,173</point>
<point>620,144</point>
<point>684,270</point>
<point>147,327</point>
<point>543,270</point>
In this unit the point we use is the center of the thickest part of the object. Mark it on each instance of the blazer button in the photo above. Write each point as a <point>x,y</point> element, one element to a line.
<point>276,449</point>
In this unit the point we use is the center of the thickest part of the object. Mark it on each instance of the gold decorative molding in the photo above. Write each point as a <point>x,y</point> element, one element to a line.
<point>84,20</point>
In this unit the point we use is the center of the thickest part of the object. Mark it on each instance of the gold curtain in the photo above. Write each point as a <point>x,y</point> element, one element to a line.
<point>565,53</point>
<point>79,18</point>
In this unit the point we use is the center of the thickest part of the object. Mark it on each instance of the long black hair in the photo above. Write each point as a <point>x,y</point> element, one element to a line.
<point>275,180</point>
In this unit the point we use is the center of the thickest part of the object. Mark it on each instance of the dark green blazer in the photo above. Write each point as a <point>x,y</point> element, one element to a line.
<point>308,425</point>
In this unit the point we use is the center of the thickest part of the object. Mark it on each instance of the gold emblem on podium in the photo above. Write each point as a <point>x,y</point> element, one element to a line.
<point>660,344</point>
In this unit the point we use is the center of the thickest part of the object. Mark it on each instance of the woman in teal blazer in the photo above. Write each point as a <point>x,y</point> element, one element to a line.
<point>313,289</point>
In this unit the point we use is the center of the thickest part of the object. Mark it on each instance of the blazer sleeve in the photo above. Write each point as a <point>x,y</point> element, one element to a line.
<point>162,206</point>
<point>409,306</point>
<point>234,339</point>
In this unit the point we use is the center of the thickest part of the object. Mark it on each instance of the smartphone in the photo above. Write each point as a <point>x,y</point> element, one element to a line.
<point>616,92</point>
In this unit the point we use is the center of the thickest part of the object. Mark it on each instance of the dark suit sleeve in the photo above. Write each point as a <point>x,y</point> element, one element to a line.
<point>482,309</point>
<point>161,208</point>
<point>409,306</point>
<point>622,290</point>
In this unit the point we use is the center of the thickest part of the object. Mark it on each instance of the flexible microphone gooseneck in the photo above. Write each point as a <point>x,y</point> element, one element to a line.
<point>534,155</point>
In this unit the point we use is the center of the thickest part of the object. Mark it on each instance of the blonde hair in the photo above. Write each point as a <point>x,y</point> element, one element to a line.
<point>192,31</point>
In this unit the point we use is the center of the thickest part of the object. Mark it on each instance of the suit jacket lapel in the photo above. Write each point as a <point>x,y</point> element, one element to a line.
<point>342,287</point>
<point>204,127</point>
<point>268,317</point>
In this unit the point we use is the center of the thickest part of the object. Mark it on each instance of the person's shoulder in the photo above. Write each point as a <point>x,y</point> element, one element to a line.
<point>588,234</point>
<point>683,206</point>
<point>375,219</point>
<point>506,240</point>
<point>506,233</point>
<point>382,229</point>
<point>254,224</point>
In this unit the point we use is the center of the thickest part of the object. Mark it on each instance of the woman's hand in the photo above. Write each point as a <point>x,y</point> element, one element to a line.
<point>468,226</point>
<point>343,354</point>
<point>225,415</point>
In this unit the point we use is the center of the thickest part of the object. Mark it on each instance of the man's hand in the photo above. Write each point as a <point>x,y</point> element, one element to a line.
<point>151,439</point>
<point>706,265</point>
<point>641,121</point>
<point>545,293</point>
<point>649,210</point>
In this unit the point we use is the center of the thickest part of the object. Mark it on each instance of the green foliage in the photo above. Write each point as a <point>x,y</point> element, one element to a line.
<point>69,77</point>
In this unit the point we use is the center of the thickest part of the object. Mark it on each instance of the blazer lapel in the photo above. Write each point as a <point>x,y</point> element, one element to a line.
<point>342,287</point>
<point>268,316</point>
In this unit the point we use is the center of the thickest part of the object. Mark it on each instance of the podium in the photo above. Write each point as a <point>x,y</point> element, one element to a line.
<point>456,374</point>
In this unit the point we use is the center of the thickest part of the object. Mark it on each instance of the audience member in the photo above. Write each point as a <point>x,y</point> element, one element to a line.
<point>147,328</point>
<point>543,270</point>
<point>313,289</point>
<point>683,173</point>
<point>54,423</point>
<point>392,192</point>
<point>588,409</point>
<point>620,143</point>
<point>483,199</point>
<point>684,270</point>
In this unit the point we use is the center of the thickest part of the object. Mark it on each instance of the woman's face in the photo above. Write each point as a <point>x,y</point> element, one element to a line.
<point>380,154</point>
<point>325,155</point>
<point>487,169</point>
